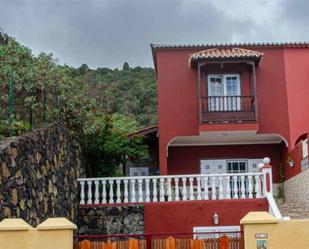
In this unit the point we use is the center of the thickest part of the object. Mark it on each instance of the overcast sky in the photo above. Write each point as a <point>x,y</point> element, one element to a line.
<point>107,33</point>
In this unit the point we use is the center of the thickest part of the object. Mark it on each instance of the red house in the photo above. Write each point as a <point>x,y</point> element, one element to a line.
<point>221,110</point>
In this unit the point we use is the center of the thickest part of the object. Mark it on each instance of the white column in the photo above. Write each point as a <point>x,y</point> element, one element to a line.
<point>176,189</point>
<point>140,190</point>
<point>154,191</point>
<point>184,188</point>
<point>191,188</point>
<point>96,192</point>
<point>228,187</point>
<point>243,190</point>
<point>257,186</point>
<point>133,199</point>
<point>213,188</point>
<point>147,190</point>
<point>169,189</point>
<point>118,193</point>
<point>199,191</point>
<point>221,196</point>
<point>235,196</point>
<point>89,185</point>
<point>267,179</point>
<point>250,186</point>
<point>111,191</point>
<point>162,189</point>
<point>206,197</point>
<point>82,192</point>
<point>126,193</point>
<point>103,191</point>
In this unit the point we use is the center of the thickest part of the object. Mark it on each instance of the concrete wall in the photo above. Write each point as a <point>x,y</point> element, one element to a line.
<point>52,233</point>
<point>296,189</point>
<point>180,217</point>
<point>277,234</point>
<point>38,175</point>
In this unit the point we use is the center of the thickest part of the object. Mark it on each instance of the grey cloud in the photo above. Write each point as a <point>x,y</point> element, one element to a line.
<point>107,33</point>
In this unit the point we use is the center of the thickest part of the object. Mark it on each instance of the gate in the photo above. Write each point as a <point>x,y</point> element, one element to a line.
<point>209,240</point>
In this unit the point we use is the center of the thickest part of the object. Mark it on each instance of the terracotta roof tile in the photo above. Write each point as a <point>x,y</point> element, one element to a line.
<point>225,53</point>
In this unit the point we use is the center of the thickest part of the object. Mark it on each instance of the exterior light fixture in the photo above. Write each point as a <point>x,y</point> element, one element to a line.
<point>216,219</point>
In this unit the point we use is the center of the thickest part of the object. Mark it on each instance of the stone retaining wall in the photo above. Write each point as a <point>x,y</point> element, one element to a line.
<point>296,189</point>
<point>38,175</point>
<point>111,220</point>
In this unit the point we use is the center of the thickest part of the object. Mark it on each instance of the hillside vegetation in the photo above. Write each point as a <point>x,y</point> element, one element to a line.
<point>99,106</point>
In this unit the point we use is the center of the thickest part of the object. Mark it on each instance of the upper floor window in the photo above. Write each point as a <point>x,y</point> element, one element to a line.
<point>223,85</point>
<point>224,92</point>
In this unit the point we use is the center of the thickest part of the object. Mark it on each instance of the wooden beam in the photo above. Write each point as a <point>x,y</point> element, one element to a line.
<point>199,92</point>
<point>254,90</point>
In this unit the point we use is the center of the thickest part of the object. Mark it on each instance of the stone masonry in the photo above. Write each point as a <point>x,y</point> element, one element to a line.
<point>111,220</point>
<point>38,175</point>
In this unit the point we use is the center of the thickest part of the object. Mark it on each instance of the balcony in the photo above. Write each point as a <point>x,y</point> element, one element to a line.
<point>227,109</point>
<point>146,189</point>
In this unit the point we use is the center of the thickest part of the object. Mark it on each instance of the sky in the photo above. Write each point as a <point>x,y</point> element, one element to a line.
<point>107,33</point>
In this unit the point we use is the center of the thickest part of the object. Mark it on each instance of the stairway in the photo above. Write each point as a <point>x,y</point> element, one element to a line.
<point>293,210</point>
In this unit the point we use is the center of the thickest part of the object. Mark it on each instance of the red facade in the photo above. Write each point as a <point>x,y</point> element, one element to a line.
<point>280,89</point>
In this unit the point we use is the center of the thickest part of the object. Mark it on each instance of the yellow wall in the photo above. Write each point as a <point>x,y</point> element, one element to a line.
<point>290,234</point>
<point>52,233</point>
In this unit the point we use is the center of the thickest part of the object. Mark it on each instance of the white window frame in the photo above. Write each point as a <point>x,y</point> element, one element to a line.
<point>215,104</point>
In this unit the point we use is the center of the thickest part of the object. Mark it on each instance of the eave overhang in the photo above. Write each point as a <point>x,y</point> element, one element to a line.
<point>225,55</point>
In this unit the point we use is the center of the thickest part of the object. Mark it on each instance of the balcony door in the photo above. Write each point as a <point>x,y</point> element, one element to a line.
<point>224,92</point>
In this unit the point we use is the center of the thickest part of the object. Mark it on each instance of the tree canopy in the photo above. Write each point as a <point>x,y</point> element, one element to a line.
<point>100,106</point>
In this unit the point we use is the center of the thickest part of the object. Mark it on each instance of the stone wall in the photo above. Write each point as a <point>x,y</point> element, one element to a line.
<point>38,175</point>
<point>296,189</point>
<point>111,220</point>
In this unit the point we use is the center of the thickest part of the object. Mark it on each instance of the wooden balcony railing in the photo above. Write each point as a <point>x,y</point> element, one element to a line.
<point>227,108</point>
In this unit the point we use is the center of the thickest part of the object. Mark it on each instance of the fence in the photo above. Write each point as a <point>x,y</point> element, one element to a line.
<point>209,240</point>
<point>16,116</point>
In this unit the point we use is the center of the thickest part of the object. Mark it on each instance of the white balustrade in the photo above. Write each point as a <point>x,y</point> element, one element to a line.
<point>141,189</point>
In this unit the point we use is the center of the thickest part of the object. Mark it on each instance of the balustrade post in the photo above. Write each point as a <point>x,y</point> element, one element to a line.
<point>126,194</point>
<point>243,190</point>
<point>162,189</point>
<point>213,188</point>
<point>89,185</point>
<point>118,193</point>
<point>111,191</point>
<point>96,192</point>
<point>103,191</point>
<point>176,189</point>
<point>206,196</point>
<point>199,191</point>
<point>250,187</point>
<point>133,191</point>
<point>184,188</point>
<point>147,190</point>
<point>169,189</point>
<point>140,190</point>
<point>155,192</point>
<point>82,192</point>
<point>228,188</point>
<point>191,188</point>
<point>221,196</point>
<point>235,196</point>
